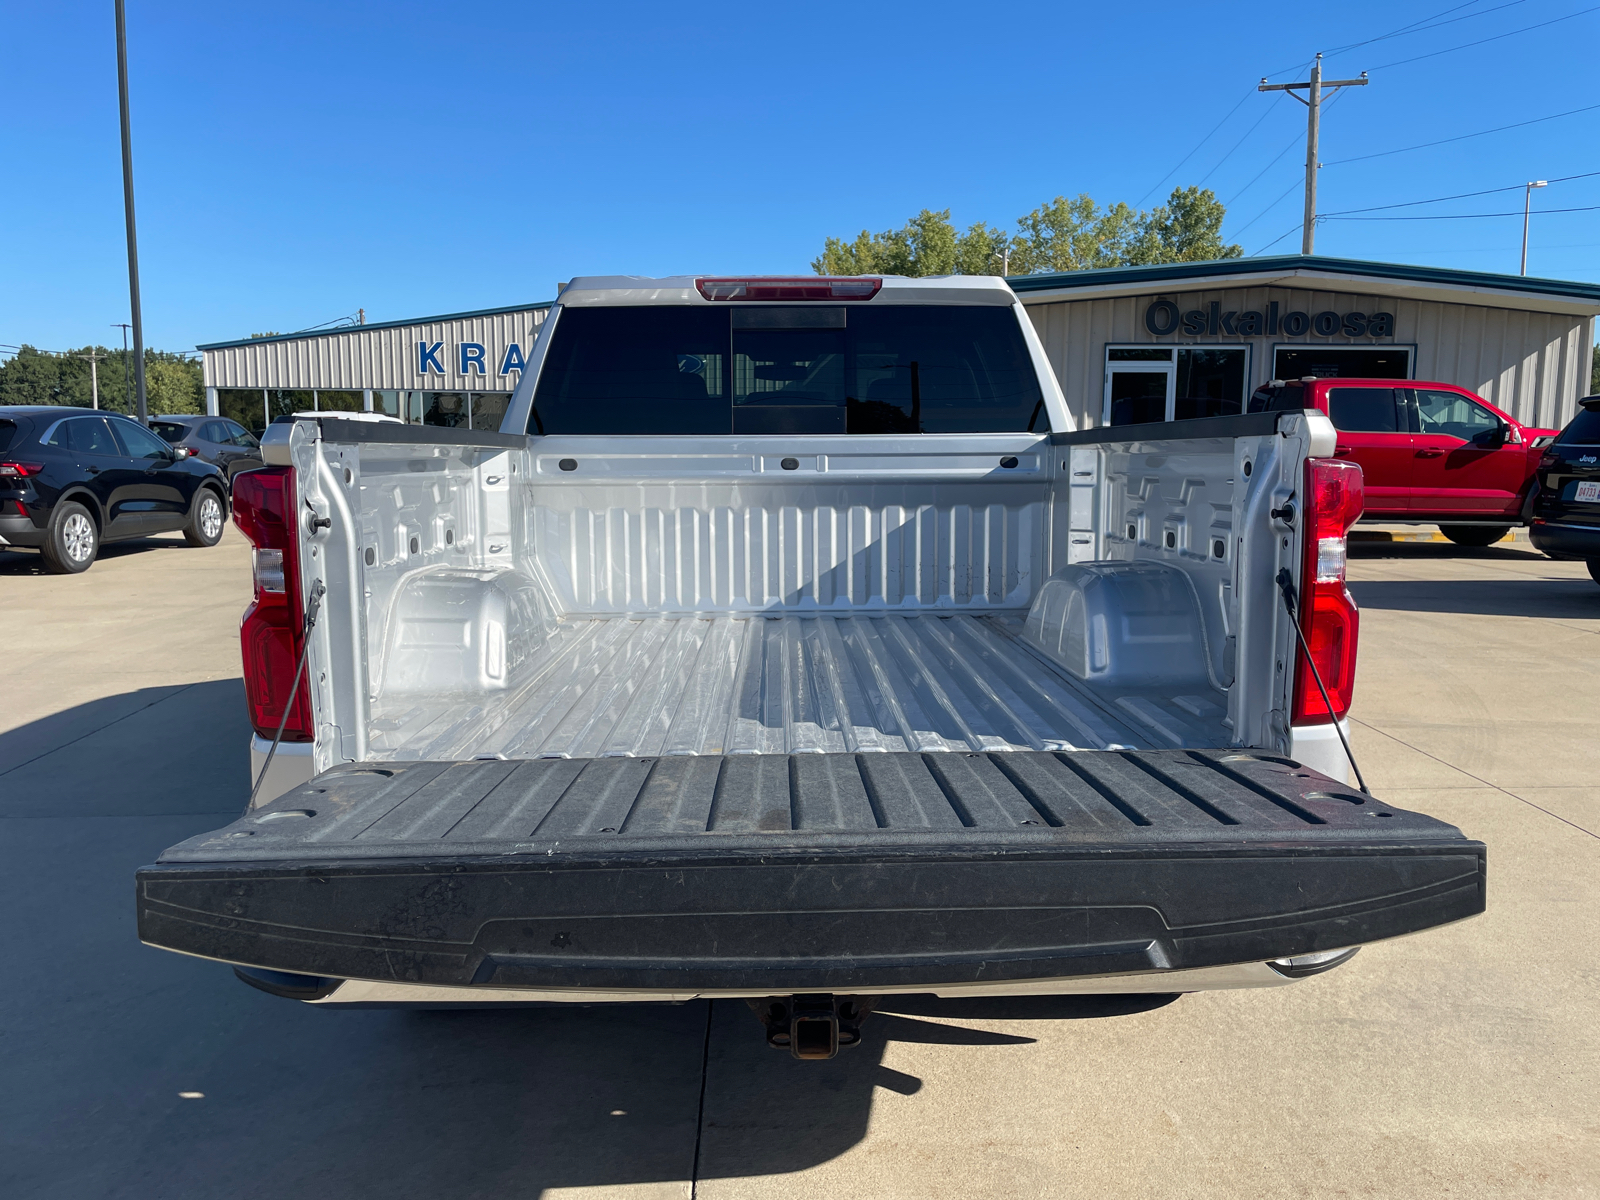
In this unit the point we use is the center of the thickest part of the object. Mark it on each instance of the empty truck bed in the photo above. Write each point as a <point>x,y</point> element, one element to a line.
<point>789,684</point>
<point>770,874</point>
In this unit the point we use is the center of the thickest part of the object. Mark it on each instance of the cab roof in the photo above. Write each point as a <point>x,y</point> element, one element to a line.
<point>597,290</point>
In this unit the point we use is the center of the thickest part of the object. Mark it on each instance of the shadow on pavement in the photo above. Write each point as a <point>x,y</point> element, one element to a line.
<point>1025,1008</point>
<point>1484,597</point>
<point>1443,551</point>
<point>176,749</point>
<point>102,1035</point>
<point>30,562</point>
<point>767,1113</point>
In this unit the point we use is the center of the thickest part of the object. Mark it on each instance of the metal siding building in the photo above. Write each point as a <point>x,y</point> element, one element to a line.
<point>1524,345</point>
<point>402,367</point>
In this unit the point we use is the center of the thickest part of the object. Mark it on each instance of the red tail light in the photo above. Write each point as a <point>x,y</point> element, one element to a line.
<point>19,470</point>
<point>1328,614</point>
<point>264,508</point>
<point>800,287</point>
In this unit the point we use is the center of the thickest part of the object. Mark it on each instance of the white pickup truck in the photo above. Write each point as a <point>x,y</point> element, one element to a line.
<point>789,644</point>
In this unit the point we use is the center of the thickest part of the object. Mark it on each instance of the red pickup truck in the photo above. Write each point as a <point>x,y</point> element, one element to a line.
<point>1431,453</point>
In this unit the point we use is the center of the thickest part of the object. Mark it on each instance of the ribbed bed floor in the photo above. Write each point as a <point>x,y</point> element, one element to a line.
<point>783,685</point>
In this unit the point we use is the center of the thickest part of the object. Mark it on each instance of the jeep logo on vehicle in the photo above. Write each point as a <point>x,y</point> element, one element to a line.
<point>1163,318</point>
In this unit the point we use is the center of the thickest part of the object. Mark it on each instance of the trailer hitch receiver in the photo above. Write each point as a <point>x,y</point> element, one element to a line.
<point>812,1026</point>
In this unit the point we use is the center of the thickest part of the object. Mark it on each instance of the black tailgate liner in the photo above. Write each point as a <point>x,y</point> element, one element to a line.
<point>809,872</point>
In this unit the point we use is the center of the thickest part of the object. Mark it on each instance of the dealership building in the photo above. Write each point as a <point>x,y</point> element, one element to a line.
<point>459,369</point>
<point>1128,344</point>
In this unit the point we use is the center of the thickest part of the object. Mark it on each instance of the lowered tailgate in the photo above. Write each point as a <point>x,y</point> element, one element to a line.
<point>771,874</point>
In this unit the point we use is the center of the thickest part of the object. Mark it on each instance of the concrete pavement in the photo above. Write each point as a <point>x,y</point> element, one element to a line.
<point>1461,1062</point>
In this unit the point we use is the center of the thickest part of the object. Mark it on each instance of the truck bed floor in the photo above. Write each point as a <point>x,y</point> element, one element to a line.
<point>668,685</point>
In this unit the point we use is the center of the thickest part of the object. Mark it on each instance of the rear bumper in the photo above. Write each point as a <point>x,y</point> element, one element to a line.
<point>1565,541</point>
<point>361,993</point>
<point>1131,864</point>
<point>20,531</point>
<point>292,766</point>
<point>1319,747</point>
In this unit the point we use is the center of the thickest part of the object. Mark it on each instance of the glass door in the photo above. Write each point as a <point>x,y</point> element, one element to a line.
<point>1140,385</point>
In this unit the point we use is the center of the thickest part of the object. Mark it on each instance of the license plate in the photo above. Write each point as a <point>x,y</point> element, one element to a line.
<point>1588,492</point>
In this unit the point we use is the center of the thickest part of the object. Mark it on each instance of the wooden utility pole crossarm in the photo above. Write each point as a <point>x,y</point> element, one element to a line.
<point>1314,87</point>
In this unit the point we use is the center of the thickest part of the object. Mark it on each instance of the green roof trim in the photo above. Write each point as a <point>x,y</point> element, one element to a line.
<point>311,333</point>
<point>1166,273</point>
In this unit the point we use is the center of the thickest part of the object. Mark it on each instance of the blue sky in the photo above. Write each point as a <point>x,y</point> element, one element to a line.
<point>297,161</point>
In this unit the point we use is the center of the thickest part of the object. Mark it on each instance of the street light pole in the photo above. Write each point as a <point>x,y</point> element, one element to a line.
<point>127,199</point>
<point>1527,208</point>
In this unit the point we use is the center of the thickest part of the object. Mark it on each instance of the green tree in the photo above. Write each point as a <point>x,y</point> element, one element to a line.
<point>1074,235</point>
<point>172,385</point>
<point>33,376</point>
<point>924,245</point>
<point>1187,228</point>
<point>1063,235</point>
<point>984,250</point>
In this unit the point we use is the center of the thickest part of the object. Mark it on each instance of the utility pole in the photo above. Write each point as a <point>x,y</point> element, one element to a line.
<point>94,373</point>
<point>126,386</point>
<point>1315,87</point>
<point>1527,208</point>
<point>127,199</point>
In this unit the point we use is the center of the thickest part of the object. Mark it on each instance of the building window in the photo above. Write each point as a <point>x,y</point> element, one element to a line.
<point>1174,383</point>
<point>454,410</point>
<point>449,409</point>
<point>488,409</point>
<point>1342,362</point>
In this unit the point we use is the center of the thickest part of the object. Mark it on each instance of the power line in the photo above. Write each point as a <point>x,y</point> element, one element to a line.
<point>1462,137</point>
<point>1218,164</point>
<point>1275,241</point>
<point>1292,143</point>
<point>1424,27</point>
<point>1515,187</point>
<point>1484,41</point>
<point>1416,26</point>
<point>1196,149</point>
<point>1420,26</point>
<point>1267,209</point>
<point>1463,216</point>
<point>352,319</point>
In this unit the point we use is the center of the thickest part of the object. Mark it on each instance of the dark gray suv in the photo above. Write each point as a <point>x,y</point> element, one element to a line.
<point>215,440</point>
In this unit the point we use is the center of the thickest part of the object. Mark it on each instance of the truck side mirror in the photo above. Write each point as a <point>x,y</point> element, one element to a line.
<point>1492,439</point>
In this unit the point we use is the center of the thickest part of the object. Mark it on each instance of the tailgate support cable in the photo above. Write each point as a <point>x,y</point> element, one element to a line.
<point>1286,586</point>
<point>317,592</point>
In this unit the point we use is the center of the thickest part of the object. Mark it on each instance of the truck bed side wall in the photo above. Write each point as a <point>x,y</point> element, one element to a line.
<point>441,542</point>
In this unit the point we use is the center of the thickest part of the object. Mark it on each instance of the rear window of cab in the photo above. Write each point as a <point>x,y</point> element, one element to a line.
<point>8,434</point>
<point>760,370</point>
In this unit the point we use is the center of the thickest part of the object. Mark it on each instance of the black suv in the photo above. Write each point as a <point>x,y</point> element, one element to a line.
<point>1566,512</point>
<point>71,478</point>
<point>217,440</point>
